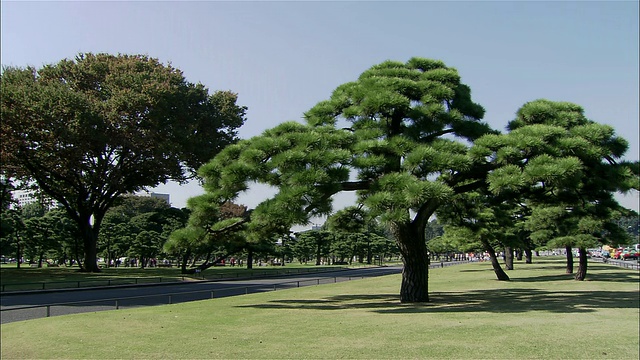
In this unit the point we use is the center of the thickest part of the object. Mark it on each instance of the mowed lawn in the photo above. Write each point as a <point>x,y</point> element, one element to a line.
<point>541,314</point>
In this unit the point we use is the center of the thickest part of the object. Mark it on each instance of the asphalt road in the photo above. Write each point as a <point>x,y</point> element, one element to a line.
<point>37,304</point>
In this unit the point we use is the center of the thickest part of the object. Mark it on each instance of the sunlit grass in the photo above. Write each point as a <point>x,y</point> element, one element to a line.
<point>541,314</point>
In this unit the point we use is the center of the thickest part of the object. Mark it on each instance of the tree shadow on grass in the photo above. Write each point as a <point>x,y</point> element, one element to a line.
<point>544,278</point>
<point>475,270</point>
<point>542,261</point>
<point>593,274</point>
<point>496,301</point>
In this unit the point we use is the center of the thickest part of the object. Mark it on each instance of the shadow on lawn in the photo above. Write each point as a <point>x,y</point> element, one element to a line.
<point>595,273</point>
<point>496,301</point>
<point>492,300</point>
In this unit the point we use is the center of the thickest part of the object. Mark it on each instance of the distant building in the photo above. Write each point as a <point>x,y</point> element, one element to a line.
<point>165,197</point>
<point>25,197</point>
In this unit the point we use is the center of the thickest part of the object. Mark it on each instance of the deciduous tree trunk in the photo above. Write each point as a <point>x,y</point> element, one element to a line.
<point>90,239</point>
<point>18,251</point>
<point>581,274</point>
<point>318,254</point>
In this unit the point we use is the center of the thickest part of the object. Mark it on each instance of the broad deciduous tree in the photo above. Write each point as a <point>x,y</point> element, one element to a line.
<point>91,129</point>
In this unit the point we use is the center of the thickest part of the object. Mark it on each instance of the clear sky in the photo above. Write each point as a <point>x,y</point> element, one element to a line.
<point>283,57</point>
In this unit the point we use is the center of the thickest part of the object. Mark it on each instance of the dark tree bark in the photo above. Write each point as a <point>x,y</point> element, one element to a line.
<point>249,258</point>
<point>18,251</point>
<point>497,269</point>
<point>528,256</point>
<point>508,257</point>
<point>318,254</point>
<point>415,274</point>
<point>581,274</point>
<point>207,264</point>
<point>90,239</point>
<point>185,260</point>
<point>519,255</point>
<point>567,250</point>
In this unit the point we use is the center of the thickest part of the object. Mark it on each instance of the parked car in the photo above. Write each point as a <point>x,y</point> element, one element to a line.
<point>629,254</point>
<point>617,254</point>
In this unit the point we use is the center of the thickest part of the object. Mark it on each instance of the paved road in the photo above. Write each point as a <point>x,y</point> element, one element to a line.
<point>24,306</point>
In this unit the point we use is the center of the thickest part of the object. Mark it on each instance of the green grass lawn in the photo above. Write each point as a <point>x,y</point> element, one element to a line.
<point>541,314</point>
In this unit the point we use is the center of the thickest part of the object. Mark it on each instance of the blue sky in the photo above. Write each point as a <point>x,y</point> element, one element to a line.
<point>283,57</point>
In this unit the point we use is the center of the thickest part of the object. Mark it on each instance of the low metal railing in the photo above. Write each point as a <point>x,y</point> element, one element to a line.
<point>627,264</point>
<point>77,284</point>
<point>162,299</point>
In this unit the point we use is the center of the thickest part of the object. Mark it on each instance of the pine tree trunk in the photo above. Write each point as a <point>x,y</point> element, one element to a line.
<point>185,260</point>
<point>581,274</point>
<point>500,274</point>
<point>569,260</point>
<point>508,258</point>
<point>415,274</point>
<point>528,256</point>
<point>249,258</point>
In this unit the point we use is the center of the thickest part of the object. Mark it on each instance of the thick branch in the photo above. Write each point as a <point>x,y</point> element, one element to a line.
<point>424,213</point>
<point>330,190</point>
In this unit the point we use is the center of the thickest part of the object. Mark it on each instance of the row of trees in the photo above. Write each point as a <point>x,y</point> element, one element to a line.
<point>406,137</point>
<point>139,228</point>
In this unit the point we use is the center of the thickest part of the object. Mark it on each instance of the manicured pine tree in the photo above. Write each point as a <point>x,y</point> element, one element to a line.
<point>389,135</point>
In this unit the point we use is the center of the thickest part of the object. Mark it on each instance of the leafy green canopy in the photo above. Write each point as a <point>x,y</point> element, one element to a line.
<point>91,129</point>
<point>395,145</point>
<point>565,168</point>
<point>115,123</point>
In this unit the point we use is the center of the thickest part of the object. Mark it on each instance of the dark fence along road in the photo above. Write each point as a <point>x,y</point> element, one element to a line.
<point>17,307</point>
<point>37,304</point>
